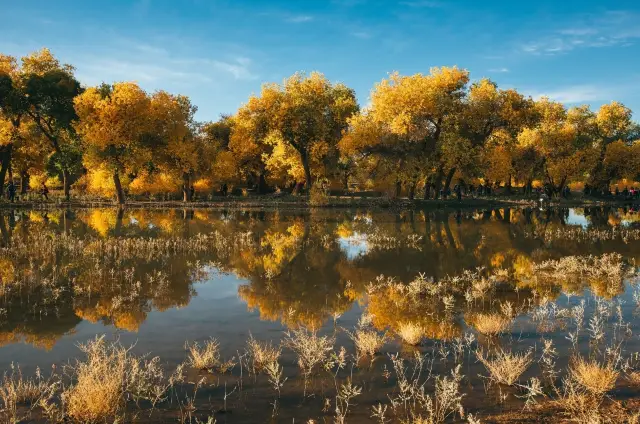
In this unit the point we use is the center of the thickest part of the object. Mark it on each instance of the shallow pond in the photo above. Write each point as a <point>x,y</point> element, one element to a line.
<point>451,284</point>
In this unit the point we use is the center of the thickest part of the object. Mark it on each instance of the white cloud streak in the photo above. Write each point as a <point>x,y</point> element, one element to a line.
<point>299,19</point>
<point>153,65</point>
<point>613,28</point>
<point>421,4</point>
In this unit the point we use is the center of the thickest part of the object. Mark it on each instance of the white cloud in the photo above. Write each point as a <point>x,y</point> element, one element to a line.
<point>97,70</point>
<point>147,63</point>
<point>577,94</point>
<point>614,28</point>
<point>239,69</point>
<point>298,19</point>
<point>364,35</point>
<point>499,70</point>
<point>421,4</point>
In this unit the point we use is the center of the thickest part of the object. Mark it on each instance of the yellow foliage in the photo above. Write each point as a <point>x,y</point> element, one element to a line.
<point>102,220</point>
<point>203,184</point>
<point>36,180</point>
<point>154,183</point>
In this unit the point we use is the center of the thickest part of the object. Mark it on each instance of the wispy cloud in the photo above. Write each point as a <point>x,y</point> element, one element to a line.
<point>153,65</point>
<point>349,3</point>
<point>421,4</point>
<point>614,28</point>
<point>239,68</point>
<point>589,92</point>
<point>299,19</point>
<point>96,70</point>
<point>499,70</point>
<point>577,94</point>
<point>363,35</point>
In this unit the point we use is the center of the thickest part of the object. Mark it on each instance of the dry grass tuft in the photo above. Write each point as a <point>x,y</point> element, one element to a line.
<point>491,324</point>
<point>633,377</point>
<point>368,342</point>
<point>506,367</point>
<point>311,349</point>
<point>98,393</point>
<point>411,333</point>
<point>107,378</point>
<point>205,357</point>
<point>582,406</point>
<point>17,390</point>
<point>595,377</point>
<point>261,354</point>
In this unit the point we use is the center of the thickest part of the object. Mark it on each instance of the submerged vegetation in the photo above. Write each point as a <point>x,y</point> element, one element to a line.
<point>424,385</point>
<point>423,317</point>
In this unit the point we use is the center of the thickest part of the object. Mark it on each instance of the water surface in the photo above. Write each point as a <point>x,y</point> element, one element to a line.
<point>262,273</point>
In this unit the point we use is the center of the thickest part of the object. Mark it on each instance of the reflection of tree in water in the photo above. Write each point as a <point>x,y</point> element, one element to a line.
<point>300,267</point>
<point>297,280</point>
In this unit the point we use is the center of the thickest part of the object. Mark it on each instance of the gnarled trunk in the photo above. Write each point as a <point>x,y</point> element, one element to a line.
<point>437,183</point>
<point>528,187</point>
<point>66,181</point>
<point>447,183</point>
<point>307,169</point>
<point>398,189</point>
<point>427,188</point>
<point>119,190</point>
<point>24,182</point>
<point>598,178</point>
<point>412,190</point>
<point>6,163</point>
<point>186,187</point>
<point>262,184</point>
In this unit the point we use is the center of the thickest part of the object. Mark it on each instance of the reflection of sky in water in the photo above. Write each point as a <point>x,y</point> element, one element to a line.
<point>354,246</point>
<point>218,285</point>
<point>575,219</point>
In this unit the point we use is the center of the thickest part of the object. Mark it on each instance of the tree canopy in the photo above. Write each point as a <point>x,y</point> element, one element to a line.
<point>419,134</point>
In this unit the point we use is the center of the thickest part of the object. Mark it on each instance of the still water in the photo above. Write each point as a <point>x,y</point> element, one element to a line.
<point>165,277</point>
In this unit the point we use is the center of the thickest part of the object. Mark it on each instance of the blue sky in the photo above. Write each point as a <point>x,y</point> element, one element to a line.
<point>218,52</point>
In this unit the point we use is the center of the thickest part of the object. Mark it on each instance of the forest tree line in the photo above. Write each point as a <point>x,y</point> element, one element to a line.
<point>418,135</point>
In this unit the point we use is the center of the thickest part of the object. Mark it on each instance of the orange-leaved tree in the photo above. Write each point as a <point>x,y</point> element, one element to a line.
<point>115,128</point>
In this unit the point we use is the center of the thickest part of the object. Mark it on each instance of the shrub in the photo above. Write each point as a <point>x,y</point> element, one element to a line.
<point>506,367</point>
<point>595,377</point>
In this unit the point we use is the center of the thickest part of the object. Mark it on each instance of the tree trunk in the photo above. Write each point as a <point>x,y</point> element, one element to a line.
<point>447,183</point>
<point>186,187</point>
<point>24,182</point>
<point>6,162</point>
<point>528,187</point>
<point>262,184</point>
<point>398,189</point>
<point>66,181</point>
<point>412,190</point>
<point>507,185</point>
<point>307,170</point>
<point>563,181</point>
<point>427,188</point>
<point>119,191</point>
<point>598,178</point>
<point>437,183</point>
